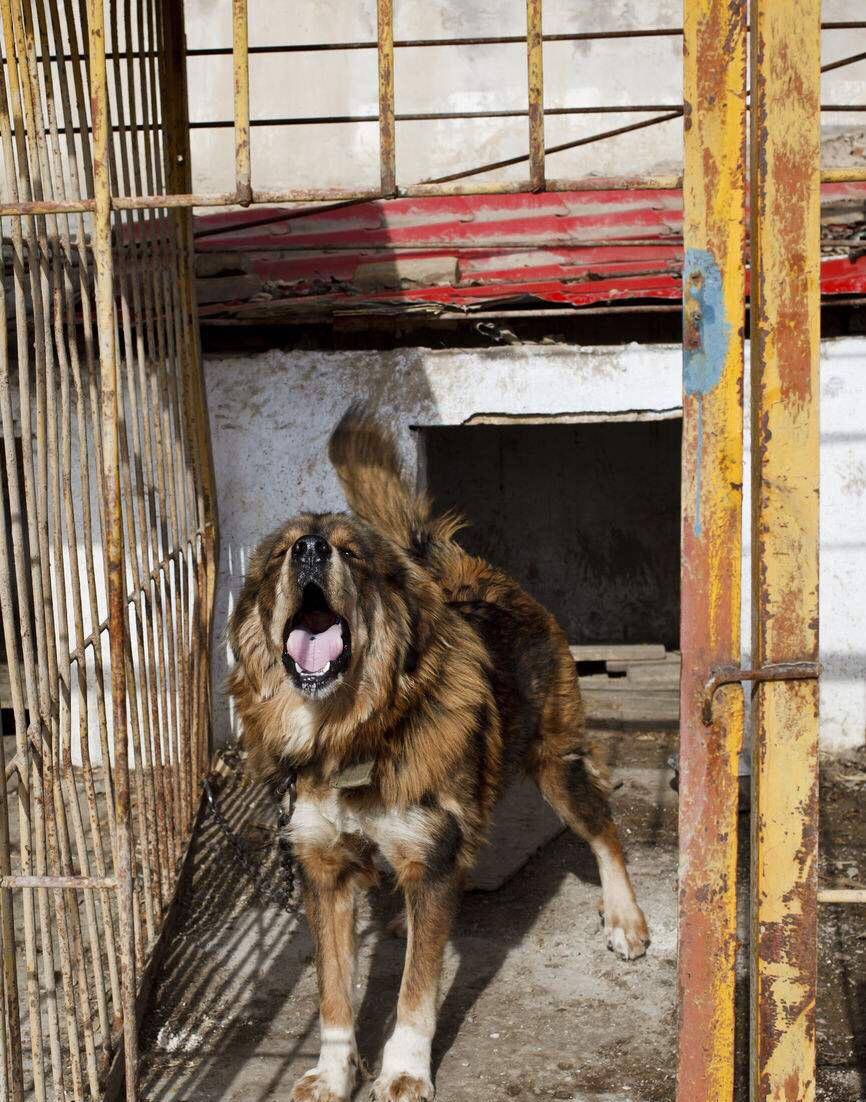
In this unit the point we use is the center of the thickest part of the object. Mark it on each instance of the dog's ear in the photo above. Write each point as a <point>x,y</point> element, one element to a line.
<point>420,615</point>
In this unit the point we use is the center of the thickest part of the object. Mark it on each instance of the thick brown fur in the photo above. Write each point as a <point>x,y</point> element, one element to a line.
<point>457,681</point>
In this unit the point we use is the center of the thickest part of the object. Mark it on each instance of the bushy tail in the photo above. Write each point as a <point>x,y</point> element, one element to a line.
<point>365,457</point>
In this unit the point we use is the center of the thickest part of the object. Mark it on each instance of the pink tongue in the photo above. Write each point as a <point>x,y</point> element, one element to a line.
<point>313,652</point>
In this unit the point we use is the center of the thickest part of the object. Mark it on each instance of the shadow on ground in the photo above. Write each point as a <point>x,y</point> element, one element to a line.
<point>534,1005</point>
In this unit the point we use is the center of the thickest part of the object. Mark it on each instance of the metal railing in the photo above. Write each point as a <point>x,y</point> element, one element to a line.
<point>108,539</point>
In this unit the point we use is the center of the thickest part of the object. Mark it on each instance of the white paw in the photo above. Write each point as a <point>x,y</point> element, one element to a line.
<point>402,1087</point>
<point>627,932</point>
<point>316,1086</point>
<point>333,1078</point>
<point>405,1074</point>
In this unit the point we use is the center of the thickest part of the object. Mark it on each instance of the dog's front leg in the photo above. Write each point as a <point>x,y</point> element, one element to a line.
<point>431,901</point>
<point>329,897</point>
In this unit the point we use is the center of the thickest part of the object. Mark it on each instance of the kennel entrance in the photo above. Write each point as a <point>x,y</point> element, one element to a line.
<point>586,517</point>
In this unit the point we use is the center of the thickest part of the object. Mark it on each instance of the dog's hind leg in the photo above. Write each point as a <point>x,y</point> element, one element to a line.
<point>577,790</point>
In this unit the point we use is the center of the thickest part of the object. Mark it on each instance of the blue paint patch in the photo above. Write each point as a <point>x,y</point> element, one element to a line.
<point>705,343</point>
<point>704,357</point>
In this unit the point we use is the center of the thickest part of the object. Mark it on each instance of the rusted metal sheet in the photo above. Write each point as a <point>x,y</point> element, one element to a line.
<point>573,249</point>
<point>785,163</point>
<point>713,289</point>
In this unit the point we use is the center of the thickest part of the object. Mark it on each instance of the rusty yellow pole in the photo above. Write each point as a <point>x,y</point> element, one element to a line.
<point>113,534</point>
<point>785,347</point>
<point>387,139</point>
<point>241,64</point>
<point>713,314</point>
<point>535,73</point>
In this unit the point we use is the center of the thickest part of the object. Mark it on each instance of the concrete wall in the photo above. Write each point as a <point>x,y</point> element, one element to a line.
<point>271,415</point>
<point>613,72</point>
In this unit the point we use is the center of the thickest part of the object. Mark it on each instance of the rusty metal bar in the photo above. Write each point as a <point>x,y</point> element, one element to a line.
<point>76,882</point>
<point>241,64</point>
<point>785,210</point>
<point>490,40</point>
<point>387,140</point>
<point>778,671</point>
<point>535,87</point>
<point>113,534</point>
<point>561,148</point>
<point>265,197</point>
<point>714,195</point>
<point>842,895</point>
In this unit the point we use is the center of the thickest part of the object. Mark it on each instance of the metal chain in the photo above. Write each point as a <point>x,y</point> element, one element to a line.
<point>281,894</point>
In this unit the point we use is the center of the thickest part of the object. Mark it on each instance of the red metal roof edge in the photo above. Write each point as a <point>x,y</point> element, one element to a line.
<point>461,251</point>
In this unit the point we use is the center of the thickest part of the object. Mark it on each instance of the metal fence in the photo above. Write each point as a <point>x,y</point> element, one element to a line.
<point>108,536</point>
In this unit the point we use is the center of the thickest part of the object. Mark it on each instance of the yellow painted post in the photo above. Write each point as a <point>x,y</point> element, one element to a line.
<point>387,139</point>
<point>535,75</point>
<point>241,66</point>
<point>785,349</point>
<point>713,314</point>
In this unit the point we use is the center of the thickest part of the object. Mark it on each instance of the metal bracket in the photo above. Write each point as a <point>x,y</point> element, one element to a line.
<point>775,671</point>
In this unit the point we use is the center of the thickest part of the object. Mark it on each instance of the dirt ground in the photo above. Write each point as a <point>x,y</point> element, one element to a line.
<point>534,1006</point>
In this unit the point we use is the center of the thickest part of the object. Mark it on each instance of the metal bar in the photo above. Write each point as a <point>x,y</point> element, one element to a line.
<point>82,882</point>
<point>778,671</point>
<point>562,147</point>
<point>241,63</point>
<point>387,142</point>
<point>113,535</point>
<point>785,210</point>
<point>423,43</point>
<point>197,494</point>
<point>842,895</point>
<point>840,64</point>
<point>535,88</point>
<point>490,40</point>
<point>714,204</point>
<point>172,201</point>
<point>849,175</point>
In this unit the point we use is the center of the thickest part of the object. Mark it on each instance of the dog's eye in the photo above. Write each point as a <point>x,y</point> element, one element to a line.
<point>348,553</point>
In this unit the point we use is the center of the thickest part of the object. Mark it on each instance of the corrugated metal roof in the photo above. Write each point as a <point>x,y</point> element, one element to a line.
<point>463,252</point>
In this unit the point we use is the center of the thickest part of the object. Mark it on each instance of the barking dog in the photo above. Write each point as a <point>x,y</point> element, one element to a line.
<point>407,683</point>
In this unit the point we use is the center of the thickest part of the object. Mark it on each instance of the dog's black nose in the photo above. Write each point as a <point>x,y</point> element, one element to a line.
<point>311,549</point>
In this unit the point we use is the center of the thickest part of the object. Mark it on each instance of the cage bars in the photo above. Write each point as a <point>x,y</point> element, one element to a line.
<point>105,537</point>
<point>714,206</point>
<point>785,210</point>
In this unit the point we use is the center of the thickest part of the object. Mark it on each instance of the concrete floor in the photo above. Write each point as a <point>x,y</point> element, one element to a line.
<point>534,1004</point>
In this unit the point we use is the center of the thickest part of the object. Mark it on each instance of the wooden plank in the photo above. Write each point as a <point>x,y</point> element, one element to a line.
<point>672,658</point>
<point>637,707</point>
<point>607,652</point>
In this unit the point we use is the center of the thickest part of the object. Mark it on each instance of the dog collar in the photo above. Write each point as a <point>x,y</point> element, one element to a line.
<point>357,775</point>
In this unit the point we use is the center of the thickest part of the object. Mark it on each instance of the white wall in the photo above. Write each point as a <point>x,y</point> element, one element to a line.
<point>271,415</point>
<point>613,72</point>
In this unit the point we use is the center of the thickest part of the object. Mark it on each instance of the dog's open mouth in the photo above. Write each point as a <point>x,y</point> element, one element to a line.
<point>317,643</point>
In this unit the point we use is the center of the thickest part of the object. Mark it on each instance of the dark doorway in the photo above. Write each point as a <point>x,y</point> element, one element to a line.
<point>586,517</point>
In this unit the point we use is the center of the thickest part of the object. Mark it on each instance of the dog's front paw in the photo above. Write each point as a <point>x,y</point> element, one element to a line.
<point>627,931</point>
<point>318,1086</point>
<point>401,1087</point>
